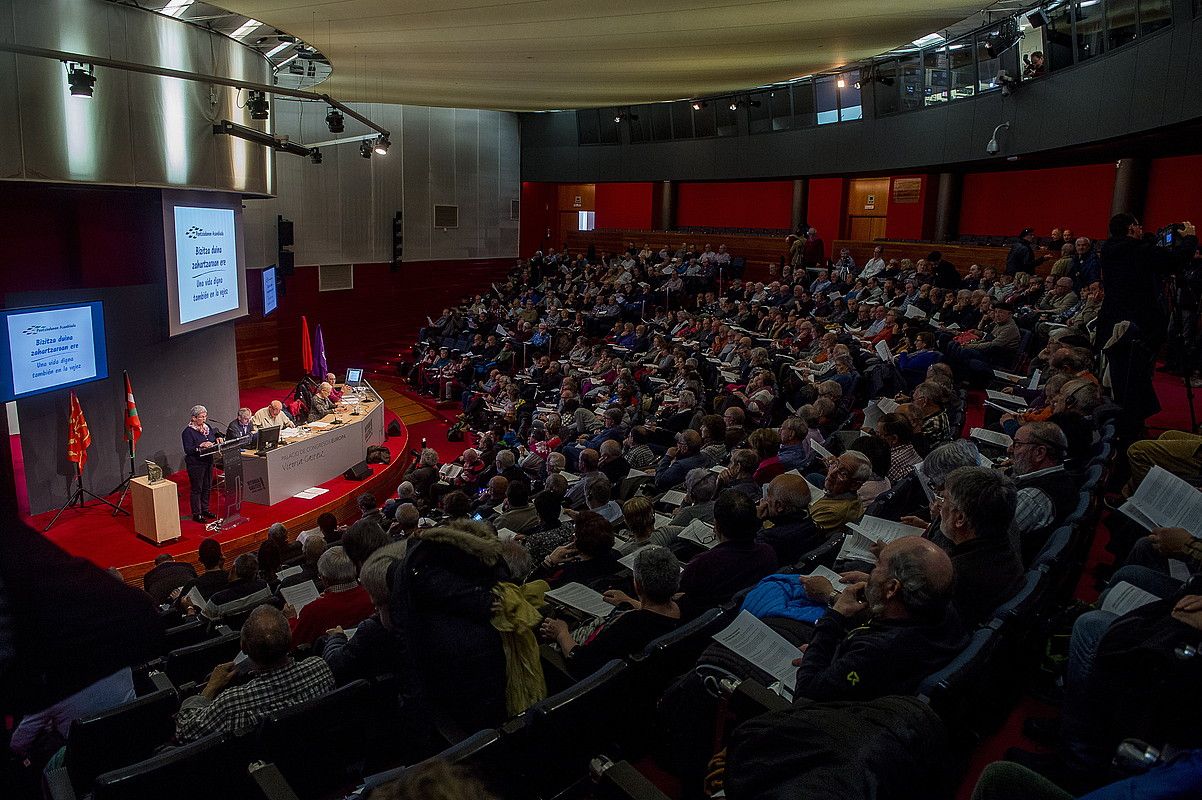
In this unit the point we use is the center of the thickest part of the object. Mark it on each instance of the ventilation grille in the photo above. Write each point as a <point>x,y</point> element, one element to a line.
<point>334,277</point>
<point>446,216</point>
<point>515,208</point>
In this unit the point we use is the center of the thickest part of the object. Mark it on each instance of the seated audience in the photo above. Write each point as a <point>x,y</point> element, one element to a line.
<point>342,603</point>
<point>736,562</point>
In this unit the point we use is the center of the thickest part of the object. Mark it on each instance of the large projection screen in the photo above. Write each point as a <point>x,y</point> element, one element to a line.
<point>205,260</point>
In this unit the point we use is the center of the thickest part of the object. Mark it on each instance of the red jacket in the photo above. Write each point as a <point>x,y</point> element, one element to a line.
<point>332,609</point>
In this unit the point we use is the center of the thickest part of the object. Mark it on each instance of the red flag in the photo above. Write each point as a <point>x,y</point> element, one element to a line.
<point>78,437</point>
<point>133,423</point>
<point>306,348</point>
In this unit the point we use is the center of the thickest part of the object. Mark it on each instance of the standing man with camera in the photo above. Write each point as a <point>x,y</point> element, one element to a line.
<point>1133,271</point>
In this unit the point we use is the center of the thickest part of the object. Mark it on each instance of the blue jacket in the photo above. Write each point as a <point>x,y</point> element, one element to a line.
<point>782,596</point>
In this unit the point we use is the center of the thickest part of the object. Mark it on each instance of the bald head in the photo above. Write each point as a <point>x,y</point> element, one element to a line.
<point>786,494</point>
<point>913,578</point>
<point>266,637</point>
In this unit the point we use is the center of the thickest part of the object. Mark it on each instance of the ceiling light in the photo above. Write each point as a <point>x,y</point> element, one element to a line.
<point>335,121</point>
<point>734,105</point>
<point>930,38</point>
<point>365,148</point>
<point>315,155</point>
<point>246,29</point>
<point>698,105</point>
<point>617,117</point>
<point>258,104</point>
<point>176,8</point>
<point>841,83</point>
<point>380,145</point>
<point>279,48</point>
<point>81,78</point>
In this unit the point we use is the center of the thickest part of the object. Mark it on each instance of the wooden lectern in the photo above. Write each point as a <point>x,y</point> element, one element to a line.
<point>156,510</point>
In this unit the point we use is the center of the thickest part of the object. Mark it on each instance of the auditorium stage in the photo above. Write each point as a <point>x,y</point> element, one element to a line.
<point>108,541</point>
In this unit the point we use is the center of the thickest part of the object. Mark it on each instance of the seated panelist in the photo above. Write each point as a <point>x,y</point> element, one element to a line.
<point>273,414</point>
<point>323,403</point>
<point>242,426</point>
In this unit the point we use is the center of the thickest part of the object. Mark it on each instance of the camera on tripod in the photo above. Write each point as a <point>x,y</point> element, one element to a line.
<point>1167,236</point>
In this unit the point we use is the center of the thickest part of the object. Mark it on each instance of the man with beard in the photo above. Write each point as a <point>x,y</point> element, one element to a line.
<point>884,635</point>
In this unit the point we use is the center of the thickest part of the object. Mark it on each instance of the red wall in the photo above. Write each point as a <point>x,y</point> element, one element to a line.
<point>1003,203</point>
<point>58,237</point>
<point>908,220</point>
<point>825,208</point>
<point>759,204</point>
<point>384,307</point>
<point>539,213</point>
<point>624,206</point>
<point>1173,192</point>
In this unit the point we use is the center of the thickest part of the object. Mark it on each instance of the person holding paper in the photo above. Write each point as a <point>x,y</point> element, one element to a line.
<point>344,603</point>
<point>246,584</point>
<point>277,682</point>
<point>655,613</point>
<point>590,556</point>
<point>214,578</point>
<point>199,440</point>
<point>885,634</point>
<point>1177,452</point>
<point>997,348</point>
<point>845,475</point>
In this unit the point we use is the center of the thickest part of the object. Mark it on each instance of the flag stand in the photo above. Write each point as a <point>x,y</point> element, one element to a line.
<point>124,486</point>
<point>78,497</point>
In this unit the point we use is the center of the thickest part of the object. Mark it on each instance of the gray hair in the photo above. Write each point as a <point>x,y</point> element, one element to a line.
<point>245,410</point>
<point>277,530</point>
<point>374,575</point>
<point>921,594</point>
<point>985,497</point>
<point>657,571</point>
<point>863,466</point>
<point>335,566</point>
<point>947,457</point>
<point>505,459</point>
<point>687,399</point>
<point>405,489</point>
<point>694,477</point>
<point>407,515</point>
<point>556,483</point>
<point>313,547</point>
<point>556,461</point>
<point>198,410</point>
<point>429,457</point>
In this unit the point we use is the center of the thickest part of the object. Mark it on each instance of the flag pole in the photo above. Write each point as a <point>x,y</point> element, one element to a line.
<point>78,497</point>
<point>124,485</point>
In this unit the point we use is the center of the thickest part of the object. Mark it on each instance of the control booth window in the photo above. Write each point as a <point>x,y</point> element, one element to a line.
<point>587,220</point>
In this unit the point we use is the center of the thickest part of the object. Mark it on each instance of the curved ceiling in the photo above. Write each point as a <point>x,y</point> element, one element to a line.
<point>556,54</point>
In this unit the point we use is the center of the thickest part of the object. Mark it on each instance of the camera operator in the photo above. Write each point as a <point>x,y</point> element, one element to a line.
<point>1133,267</point>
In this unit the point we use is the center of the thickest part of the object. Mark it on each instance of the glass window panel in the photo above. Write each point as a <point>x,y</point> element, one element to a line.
<point>661,122</point>
<point>803,104</point>
<point>759,113</point>
<point>936,81</point>
<point>640,129</point>
<point>703,120</point>
<point>848,85</point>
<point>1058,35</point>
<point>886,97</point>
<point>1154,15</point>
<point>782,108</point>
<point>1121,22</point>
<point>609,128</point>
<point>826,99</point>
<point>962,61</point>
<point>912,83</point>
<point>728,119</point>
<point>682,120</point>
<point>586,126</point>
<point>987,68</point>
<point>1091,29</point>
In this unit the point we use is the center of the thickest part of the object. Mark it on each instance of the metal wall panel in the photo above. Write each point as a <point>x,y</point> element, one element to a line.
<point>419,210</point>
<point>137,129</point>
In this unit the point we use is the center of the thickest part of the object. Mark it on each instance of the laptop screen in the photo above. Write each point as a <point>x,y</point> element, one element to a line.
<point>354,377</point>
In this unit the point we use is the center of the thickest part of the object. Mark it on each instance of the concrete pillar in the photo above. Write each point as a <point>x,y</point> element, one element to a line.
<point>1130,186</point>
<point>663,206</point>
<point>947,206</point>
<point>801,188</point>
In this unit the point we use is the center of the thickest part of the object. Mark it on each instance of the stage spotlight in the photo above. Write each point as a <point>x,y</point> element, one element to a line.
<point>841,83</point>
<point>81,79</point>
<point>335,121</point>
<point>734,105</point>
<point>618,118</point>
<point>381,145</point>
<point>315,155</point>
<point>698,105</point>
<point>365,148</point>
<point>259,107</point>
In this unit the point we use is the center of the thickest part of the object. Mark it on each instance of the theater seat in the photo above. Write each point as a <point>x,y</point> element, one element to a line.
<point>955,691</point>
<point>1056,551</point>
<point>209,768</point>
<point>1020,611</point>
<point>483,752</point>
<point>314,743</point>
<point>556,737</point>
<point>191,631</point>
<point>193,664</point>
<point>119,737</point>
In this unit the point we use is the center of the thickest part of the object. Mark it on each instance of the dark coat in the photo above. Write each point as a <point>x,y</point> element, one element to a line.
<point>1132,272</point>
<point>791,536</point>
<point>442,599</point>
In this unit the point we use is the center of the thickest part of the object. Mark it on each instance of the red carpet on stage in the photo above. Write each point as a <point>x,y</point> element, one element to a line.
<point>108,541</point>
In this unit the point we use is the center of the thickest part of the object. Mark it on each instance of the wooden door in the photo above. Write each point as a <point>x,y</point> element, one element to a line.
<point>865,229</point>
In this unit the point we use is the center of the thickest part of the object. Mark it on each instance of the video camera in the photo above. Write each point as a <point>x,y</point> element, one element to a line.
<point>1167,236</point>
